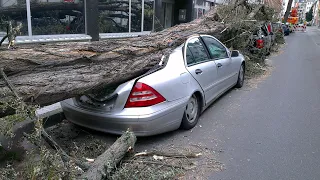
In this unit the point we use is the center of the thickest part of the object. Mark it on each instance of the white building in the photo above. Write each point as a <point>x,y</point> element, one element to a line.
<point>302,10</point>
<point>309,5</point>
<point>316,13</point>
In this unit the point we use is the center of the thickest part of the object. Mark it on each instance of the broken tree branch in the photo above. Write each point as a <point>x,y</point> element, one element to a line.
<point>4,76</point>
<point>170,154</point>
<point>255,11</point>
<point>65,157</point>
<point>104,165</point>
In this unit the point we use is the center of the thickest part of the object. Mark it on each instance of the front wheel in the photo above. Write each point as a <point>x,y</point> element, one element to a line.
<point>240,77</point>
<point>191,113</point>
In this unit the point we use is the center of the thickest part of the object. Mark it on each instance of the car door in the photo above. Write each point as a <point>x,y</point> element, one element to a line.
<point>201,67</point>
<point>221,56</point>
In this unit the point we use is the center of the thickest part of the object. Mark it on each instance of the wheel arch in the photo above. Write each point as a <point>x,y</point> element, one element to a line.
<point>244,64</point>
<point>201,99</point>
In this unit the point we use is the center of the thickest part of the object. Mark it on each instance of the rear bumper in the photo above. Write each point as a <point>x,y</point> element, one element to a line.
<point>164,120</point>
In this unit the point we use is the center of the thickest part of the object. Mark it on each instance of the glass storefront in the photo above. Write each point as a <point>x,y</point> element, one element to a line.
<point>61,18</point>
<point>15,11</point>
<point>136,15</point>
<point>113,16</point>
<point>148,15</point>
<point>57,17</point>
<point>201,7</point>
<point>166,18</point>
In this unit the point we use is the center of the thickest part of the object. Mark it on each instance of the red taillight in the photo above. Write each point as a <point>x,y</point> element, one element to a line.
<point>143,95</point>
<point>260,43</point>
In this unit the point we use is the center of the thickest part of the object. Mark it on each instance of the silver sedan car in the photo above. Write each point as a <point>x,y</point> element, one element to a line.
<point>171,95</point>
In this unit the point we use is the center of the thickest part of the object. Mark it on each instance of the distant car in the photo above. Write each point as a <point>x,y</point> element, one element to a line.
<point>286,30</point>
<point>277,27</point>
<point>171,95</point>
<point>291,28</point>
<point>271,33</point>
<point>261,39</point>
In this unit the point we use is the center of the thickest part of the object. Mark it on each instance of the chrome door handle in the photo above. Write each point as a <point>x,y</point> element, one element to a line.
<point>198,71</point>
<point>219,65</point>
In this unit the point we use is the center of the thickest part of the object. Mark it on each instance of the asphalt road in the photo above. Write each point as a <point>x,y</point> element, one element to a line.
<point>271,130</point>
<point>275,131</point>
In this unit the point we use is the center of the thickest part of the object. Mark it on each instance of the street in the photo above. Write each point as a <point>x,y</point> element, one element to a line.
<point>274,133</point>
<point>272,129</point>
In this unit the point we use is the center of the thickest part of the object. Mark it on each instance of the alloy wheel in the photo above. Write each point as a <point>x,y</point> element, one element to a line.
<point>192,109</point>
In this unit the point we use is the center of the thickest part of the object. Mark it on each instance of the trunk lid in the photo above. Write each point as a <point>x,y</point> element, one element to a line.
<point>113,98</point>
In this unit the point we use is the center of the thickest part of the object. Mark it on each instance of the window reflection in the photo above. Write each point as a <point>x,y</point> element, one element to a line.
<point>57,17</point>
<point>136,15</point>
<point>113,16</point>
<point>15,11</point>
<point>148,15</point>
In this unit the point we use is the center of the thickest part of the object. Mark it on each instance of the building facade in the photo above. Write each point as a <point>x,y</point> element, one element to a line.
<point>316,13</point>
<point>50,20</point>
<point>309,4</point>
<point>302,10</point>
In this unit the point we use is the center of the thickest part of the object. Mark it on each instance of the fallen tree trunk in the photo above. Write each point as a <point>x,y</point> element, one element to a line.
<point>104,165</point>
<point>45,74</point>
<point>255,11</point>
<point>50,73</point>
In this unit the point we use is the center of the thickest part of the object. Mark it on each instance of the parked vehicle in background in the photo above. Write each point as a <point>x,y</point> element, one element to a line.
<point>261,40</point>
<point>271,33</point>
<point>277,27</point>
<point>291,27</point>
<point>286,30</point>
<point>171,95</point>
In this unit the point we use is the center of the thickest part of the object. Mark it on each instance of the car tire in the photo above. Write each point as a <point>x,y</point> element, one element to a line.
<point>241,73</point>
<point>191,113</point>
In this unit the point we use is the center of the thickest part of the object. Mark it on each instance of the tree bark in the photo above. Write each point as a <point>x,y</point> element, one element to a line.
<point>255,11</point>
<point>105,164</point>
<point>45,74</point>
<point>287,13</point>
<point>49,73</point>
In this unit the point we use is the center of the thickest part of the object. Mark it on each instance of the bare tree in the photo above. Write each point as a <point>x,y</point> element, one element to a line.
<point>286,14</point>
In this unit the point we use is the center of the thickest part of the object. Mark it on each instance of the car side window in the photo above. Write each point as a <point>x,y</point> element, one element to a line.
<point>264,31</point>
<point>196,52</point>
<point>216,49</point>
<point>189,56</point>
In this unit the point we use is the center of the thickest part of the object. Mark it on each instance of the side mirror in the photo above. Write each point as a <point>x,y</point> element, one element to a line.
<point>234,53</point>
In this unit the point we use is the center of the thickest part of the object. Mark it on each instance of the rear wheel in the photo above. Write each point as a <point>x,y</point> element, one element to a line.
<point>240,77</point>
<point>191,113</point>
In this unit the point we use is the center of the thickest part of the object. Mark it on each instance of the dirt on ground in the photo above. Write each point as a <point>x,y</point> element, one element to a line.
<point>88,144</point>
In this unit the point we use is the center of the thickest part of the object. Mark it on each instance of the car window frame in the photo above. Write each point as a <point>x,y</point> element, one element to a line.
<point>264,31</point>
<point>185,51</point>
<point>228,51</point>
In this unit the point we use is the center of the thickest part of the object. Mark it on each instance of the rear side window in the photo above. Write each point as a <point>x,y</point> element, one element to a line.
<point>216,49</point>
<point>264,31</point>
<point>189,56</point>
<point>196,53</point>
